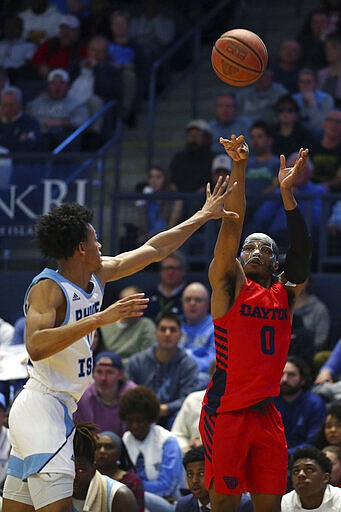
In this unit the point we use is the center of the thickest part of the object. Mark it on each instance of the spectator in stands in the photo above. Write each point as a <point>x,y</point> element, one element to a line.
<point>97,81</point>
<point>329,78</point>
<point>41,21</point>
<point>289,131</point>
<point>334,455</point>
<point>153,450</point>
<point>186,423</point>
<point>258,100</point>
<point>198,499</point>
<point>303,412</point>
<point>5,444</point>
<point>315,315</point>
<point>287,67</point>
<point>330,430</point>
<point>155,215</point>
<point>152,29</point>
<point>197,328</point>
<point>221,166</point>
<point>100,402</point>
<point>311,36</point>
<point>334,229</point>
<point>228,119</point>
<point>91,489</point>
<point>270,218</point>
<point>19,131</point>
<point>172,281</point>
<point>129,57</point>
<point>311,470</point>
<point>15,52</point>
<point>261,172</point>
<point>62,51</point>
<point>112,459</point>
<point>313,103</point>
<point>131,335</point>
<point>166,368</point>
<point>57,113</point>
<point>190,168</point>
<point>326,153</point>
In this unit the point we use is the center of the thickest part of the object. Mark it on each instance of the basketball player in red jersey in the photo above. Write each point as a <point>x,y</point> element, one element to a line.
<point>241,429</point>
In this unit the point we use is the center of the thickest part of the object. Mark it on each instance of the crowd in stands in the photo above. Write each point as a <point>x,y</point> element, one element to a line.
<point>150,372</point>
<point>149,378</point>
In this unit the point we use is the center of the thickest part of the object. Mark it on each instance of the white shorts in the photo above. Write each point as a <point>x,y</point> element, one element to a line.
<point>41,433</point>
<point>40,490</point>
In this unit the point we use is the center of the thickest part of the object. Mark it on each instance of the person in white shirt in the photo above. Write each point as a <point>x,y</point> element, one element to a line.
<point>311,472</point>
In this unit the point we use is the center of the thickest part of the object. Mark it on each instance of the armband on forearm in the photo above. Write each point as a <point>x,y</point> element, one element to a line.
<point>297,261</point>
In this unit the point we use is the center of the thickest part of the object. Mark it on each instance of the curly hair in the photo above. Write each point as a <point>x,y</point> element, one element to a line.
<point>141,400</point>
<point>59,232</point>
<point>196,454</point>
<point>85,441</point>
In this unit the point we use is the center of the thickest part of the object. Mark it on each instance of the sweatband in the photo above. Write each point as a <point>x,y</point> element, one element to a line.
<point>297,260</point>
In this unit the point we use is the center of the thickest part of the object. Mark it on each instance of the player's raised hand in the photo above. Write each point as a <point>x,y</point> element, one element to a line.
<point>214,204</point>
<point>128,307</point>
<point>236,148</point>
<point>287,176</point>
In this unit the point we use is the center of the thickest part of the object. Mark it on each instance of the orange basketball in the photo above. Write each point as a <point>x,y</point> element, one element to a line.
<point>239,57</point>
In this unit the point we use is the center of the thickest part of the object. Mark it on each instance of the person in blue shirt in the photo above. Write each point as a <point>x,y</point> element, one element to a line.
<point>197,327</point>
<point>331,370</point>
<point>303,412</point>
<point>166,368</point>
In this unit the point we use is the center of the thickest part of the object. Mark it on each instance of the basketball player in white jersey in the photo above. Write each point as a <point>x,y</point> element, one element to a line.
<point>63,311</point>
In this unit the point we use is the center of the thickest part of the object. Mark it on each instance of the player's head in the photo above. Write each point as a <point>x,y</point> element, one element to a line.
<point>60,231</point>
<point>258,250</point>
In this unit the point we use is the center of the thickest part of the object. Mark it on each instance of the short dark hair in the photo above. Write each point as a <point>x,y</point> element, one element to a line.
<point>196,454</point>
<point>284,100</point>
<point>310,452</point>
<point>168,315</point>
<point>60,231</point>
<point>140,400</point>
<point>304,370</point>
<point>262,125</point>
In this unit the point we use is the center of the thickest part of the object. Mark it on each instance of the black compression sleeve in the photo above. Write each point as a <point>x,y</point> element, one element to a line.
<point>297,261</point>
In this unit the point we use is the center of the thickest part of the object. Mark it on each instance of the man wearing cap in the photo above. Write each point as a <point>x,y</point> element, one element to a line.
<point>190,168</point>
<point>99,403</point>
<point>221,166</point>
<point>61,51</point>
<point>57,113</point>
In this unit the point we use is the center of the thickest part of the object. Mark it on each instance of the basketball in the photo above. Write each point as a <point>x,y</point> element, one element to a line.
<point>239,57</point>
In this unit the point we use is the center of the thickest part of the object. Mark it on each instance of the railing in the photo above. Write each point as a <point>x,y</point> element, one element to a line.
<point>199,248</point>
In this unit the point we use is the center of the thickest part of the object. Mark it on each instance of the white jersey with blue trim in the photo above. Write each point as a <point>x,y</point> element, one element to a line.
<point>70,370</point>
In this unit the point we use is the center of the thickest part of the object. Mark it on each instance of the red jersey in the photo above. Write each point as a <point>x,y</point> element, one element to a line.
<point>252,342</point>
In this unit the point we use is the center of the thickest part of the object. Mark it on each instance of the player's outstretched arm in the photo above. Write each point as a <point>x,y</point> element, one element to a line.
<point>44,334</point>
<point>166,242</point>
<point>297,261</point>
<point>224,266</point>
